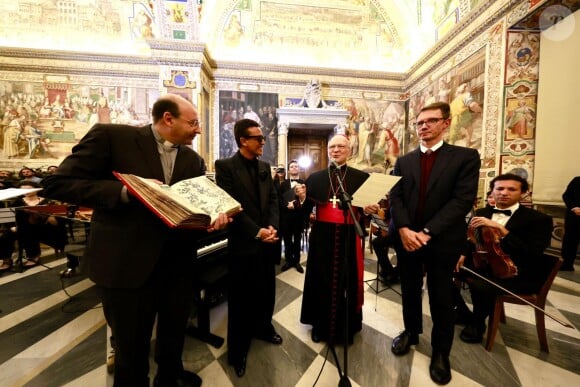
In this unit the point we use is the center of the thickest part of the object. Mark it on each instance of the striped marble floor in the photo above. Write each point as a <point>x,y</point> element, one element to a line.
<point>53,337</point>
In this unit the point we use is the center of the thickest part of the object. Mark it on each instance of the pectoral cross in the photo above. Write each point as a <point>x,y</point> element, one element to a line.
<point>334,200</point>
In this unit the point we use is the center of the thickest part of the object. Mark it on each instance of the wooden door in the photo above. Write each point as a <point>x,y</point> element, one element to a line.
<point>312,146</point>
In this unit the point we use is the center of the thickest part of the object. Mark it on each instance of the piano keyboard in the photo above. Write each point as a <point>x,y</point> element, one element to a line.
<point>207,249</point>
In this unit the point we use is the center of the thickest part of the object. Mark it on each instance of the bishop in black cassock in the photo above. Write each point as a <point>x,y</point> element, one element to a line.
<point>323,303</point>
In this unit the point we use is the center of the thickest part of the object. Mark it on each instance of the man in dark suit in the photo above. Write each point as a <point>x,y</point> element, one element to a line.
<point>142,268</point>
<point>428,207</point>
<point>252,242</point>
<point>291,217</point>
<point>571,237</point>
<point>523,234</point>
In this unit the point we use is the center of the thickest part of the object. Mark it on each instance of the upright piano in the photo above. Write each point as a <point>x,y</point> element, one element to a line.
<point>210,274</point>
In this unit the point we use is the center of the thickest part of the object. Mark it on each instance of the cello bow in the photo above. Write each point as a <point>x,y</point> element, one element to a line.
<point>564,323</point>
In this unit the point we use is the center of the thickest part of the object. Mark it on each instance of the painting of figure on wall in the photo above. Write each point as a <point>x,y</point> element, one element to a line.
<point>463,88</point>
<point>520,118</point>
<point>375,131</point>
<point>42,121</point>
<point>142,22</point>
<point>260,107</point>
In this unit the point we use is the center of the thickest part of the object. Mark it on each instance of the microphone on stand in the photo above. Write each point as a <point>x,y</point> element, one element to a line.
<point>333,164</point>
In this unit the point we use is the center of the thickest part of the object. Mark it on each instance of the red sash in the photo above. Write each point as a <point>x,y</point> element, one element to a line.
<point>326,213</point>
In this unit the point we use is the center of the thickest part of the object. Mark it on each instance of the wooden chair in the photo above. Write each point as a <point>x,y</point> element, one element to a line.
<point>553,264</point>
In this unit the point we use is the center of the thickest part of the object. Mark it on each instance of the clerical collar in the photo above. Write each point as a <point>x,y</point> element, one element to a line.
<point>161,140</point>
<point>434,148</point>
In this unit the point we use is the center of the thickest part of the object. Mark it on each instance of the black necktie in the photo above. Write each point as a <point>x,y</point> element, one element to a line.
<point>498,211</point>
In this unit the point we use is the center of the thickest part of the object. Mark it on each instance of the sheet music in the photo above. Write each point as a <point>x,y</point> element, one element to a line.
<point>10,193</point>
<point>374,189</point>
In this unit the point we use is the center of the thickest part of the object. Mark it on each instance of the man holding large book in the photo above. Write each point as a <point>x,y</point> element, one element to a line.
<point>252,242</point>
<point>142,267</point>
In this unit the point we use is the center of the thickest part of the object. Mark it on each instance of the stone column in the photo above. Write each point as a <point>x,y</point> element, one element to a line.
<point>282,141</point>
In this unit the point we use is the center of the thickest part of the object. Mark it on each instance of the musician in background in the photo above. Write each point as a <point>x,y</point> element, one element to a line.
<point>291,217</point>
<point>522,233</point>
<point>381,244</point>
<point>142,268</point>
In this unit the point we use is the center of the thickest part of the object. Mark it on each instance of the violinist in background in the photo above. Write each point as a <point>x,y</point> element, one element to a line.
<point>381,243</point>
<point>519,233</point>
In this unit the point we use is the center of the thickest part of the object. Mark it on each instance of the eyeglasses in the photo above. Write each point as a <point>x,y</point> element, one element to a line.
<point>194,123</point>
<point>257,138</point>
<point>429,122</point>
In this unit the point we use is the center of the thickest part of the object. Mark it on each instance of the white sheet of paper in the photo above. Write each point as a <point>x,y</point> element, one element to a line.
<point>10,193</point>
<point>374,189</point>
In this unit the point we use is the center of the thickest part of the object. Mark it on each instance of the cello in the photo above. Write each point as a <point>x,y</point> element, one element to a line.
<point>488,252</point>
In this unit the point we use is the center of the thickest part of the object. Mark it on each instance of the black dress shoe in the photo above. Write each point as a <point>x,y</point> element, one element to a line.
<point>286,266</point>
<point>299,268</point>
<point>439,369</point>
<point>314,336</point>
<point>274,338</point>
<point>402,343</point>
<point>185,379</point>
<point>240,366</point>
<point>463,317</point>
<point>472,334</point>
<point>389,277</point>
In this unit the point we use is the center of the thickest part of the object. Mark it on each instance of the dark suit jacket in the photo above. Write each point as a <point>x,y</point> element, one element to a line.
<point>530,234</point>
<point>126,239</point>
<point>233,176</point>
<point>572,194</point>
<point>451,192</point>
<point>286,194</point>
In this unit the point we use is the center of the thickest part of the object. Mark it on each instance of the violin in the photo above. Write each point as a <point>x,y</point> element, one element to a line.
<point>488,252</point>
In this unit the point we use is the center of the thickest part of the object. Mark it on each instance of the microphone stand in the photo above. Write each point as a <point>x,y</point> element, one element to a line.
<point>345,201</point>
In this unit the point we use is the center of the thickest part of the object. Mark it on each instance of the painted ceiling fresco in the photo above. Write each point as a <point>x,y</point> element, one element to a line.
<point>383,35</point>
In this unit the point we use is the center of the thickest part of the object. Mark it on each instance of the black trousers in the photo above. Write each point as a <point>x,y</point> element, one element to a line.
<point>381,245</point>
<point>439,268</point>
<point>292,229</point>
<point>571,239</point>
<point>251,297</point>
<point>131,313</point>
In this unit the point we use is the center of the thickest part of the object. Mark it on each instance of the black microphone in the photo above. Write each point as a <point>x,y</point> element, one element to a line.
<point>333,163</point>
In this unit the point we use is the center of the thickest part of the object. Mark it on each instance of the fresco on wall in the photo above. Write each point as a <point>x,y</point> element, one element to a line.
<point>522,57</point>
<point>521,93</point>
<point>520,165</point>
<point>347,34</point>
<point>520,118</point>
<point>463,88</point>
<point>103,26</point>
<point>142,21</point>
<point>375,129</point>
<point>41,122</point>
<point>260,107</point>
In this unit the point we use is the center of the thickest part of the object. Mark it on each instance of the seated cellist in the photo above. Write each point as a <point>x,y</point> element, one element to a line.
<point>510,231</point>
